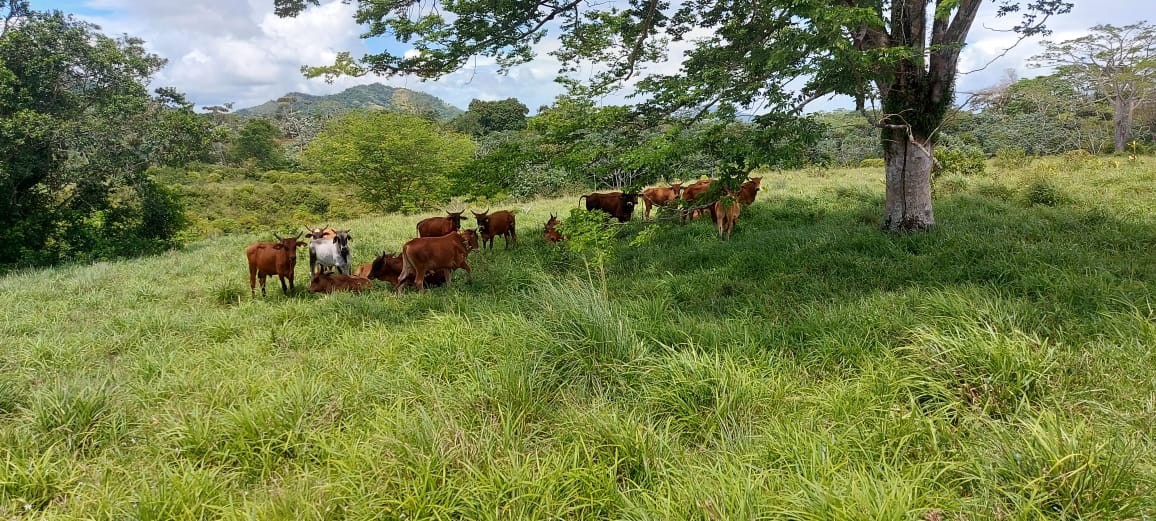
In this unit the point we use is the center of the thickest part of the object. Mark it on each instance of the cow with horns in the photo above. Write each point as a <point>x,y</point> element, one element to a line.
<point>273,258</point>
<point>330,252</point>
<point>439,226</point>
<point>501,222</point>
<point>620,205</point>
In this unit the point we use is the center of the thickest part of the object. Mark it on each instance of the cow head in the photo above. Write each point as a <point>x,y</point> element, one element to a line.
<point>470,239</point>
<point>289,245</point>
<point>341,240</point>
<point>676,189</point>
<point>320,233</point>
<point>455,218</point>
<point>629,200</point>
<point>483,221</point>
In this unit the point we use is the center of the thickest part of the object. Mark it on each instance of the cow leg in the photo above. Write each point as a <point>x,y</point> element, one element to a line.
<point>284,288</point>
<point>646,215</point>
<point>514,234</point>
<point>419,280</point>
<point>252,280</point>
<point>262,276</point>
<point>312,262</point>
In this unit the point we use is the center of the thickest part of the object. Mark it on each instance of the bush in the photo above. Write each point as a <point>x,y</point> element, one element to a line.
<point>874,162</point>
<point>962,161</point>
<point>1076,157</point>
<point>1042,192</point>
<point>1012,158</point>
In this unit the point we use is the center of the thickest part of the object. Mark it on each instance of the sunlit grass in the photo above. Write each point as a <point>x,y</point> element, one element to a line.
<point>1000,366</point>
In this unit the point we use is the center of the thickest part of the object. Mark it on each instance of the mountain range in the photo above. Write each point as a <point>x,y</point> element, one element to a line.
<point>371,96</point>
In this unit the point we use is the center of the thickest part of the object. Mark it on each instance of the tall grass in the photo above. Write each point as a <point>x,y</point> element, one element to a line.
<point>1000,366</point>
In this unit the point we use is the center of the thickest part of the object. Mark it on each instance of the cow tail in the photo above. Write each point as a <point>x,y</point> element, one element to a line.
<point>406,267</point>
<point>580,200</point>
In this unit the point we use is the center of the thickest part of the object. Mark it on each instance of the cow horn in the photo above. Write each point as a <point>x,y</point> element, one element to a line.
<point>275,236</point>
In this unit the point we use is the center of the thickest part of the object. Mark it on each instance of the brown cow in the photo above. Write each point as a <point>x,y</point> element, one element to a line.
<point>498,223</point>
<point>387,267</point>
<point>273,258</point>
<point>659,196</point>
<point>618,204</point>
<point>438,226</point>
<point>749,190</point>
<point>691,194</point>
<point>550,232</point>
<point>425,254</point>
<point>329,283</point>
<point>725,213</point>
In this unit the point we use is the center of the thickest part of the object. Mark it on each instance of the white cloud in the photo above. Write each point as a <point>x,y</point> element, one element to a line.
<point>225,50</point>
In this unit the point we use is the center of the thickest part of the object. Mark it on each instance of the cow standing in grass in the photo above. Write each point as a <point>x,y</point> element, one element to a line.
<point>439,226</point>
<point>333,252</point>
<point>501,223</point>
<point>659,196</point>
<point>273,258</point>
<point>433,254</point>
<point>619,205</point>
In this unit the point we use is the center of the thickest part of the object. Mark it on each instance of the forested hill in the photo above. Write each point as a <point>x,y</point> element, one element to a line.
<point>373,96</point>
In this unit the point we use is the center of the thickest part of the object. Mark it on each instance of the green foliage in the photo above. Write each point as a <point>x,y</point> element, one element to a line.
<point>399,162</point>
<point>960,161</point>
<point>257,142</point>
<point>1011,157</point>
<point>73,160</point>
<point>484,117</point>
<point>1043,192</point>
<point>874,162</point>
<point>590,234</point>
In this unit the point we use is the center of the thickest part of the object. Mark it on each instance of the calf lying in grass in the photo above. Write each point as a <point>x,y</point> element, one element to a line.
<point>329,282</point>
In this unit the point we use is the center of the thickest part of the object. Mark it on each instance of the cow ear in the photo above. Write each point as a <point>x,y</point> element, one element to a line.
<point>278,246</point>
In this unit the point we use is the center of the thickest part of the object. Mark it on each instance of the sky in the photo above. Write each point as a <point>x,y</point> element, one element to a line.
<point>238,51</point>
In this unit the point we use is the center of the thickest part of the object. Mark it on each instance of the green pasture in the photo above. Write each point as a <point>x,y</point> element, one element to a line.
<point>1001,366</point>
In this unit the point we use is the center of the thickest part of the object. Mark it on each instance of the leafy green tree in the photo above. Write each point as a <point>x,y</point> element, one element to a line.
<point>904,54</point>
<point>257,141</point>
<point>484,117</point>
<point>78,131</point>
<point>1118,64</point>
<point>400,162</point>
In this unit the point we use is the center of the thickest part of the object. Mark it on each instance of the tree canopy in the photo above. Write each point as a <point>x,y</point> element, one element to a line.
<point>400,162</point>
<point>747,56</point>
<point>1117,64</point>
<point>78,130</point>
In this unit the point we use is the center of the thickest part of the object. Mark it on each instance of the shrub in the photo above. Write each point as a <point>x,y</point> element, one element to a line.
<point>1042,192</point>
<point>1012,158</point>
<point>963,161</point>
<point>874,162</point>
<point>1076,157</point>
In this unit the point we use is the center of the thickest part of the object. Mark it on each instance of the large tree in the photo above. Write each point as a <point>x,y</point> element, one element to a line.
<point>748,57</point>
<point>1118,64</point>
<point>78,131</point>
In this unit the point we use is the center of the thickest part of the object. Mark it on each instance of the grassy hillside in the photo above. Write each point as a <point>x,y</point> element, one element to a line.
<point>1001,366</point>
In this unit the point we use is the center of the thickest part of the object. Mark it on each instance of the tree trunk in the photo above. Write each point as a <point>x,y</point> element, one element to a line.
<point>908,168</point>
<point>1121,125</point>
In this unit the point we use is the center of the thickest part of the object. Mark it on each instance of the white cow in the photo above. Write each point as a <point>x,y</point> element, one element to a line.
<point>332,251</point>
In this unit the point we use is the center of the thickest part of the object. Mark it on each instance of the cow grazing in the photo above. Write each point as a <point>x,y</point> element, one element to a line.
<point>618,204</point>
<point>433,254</point>
<point>273,258</point>
<point>438,226</point>
<point>329,283</point>
<point>498,223</point>
<point>471,239</point>
<point>387,267</point>
<point>725,213</point>
<point>332,252</point>
<point>749,190</point>
<point>550,231</point>
<point>659,196</point>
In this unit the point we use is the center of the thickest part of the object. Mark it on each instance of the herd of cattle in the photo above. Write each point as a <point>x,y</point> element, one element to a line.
<point>442,245</point>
